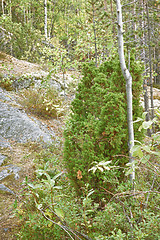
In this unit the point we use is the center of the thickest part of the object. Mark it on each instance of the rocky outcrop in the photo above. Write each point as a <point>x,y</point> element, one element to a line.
<point>16,125</point>
<point>17,74</point>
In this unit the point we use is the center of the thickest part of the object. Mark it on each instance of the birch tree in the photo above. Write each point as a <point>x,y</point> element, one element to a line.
<point>45,19</point>
<point>3,7</point>
<point>128,79</point>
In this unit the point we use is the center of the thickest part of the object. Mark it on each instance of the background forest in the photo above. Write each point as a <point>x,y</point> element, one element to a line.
<point>80,187</point>
<point>70,32</point>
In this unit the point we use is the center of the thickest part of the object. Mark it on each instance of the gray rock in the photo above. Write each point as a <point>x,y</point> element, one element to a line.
<point>2,158</point>
<point>4,96</point>
<point>3,174</point>
<point>5,189</point>
<point>24,82</point>
<point>13,169</point>
<point>4,143</point>
<point>18,126</point>
<point>6,229</point>
<point>9,170</point>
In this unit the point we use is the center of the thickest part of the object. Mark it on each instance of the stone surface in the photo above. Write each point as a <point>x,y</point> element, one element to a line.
<point>2,158</point>
<point>10,170</point>
<point>16,125</point>
<point>5,189</point>
<point>12,66</point>
<point>4,143</point>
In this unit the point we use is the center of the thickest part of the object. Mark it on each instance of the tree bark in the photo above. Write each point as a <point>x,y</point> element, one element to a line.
<point>45,19</point>
<point>3,7</point>
<point>128,79</point>
<point>150,61</point>
<point>144,58</point>
<point>95,36</point>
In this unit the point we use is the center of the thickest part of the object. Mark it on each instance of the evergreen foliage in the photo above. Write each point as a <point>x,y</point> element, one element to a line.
<point>97,129</point>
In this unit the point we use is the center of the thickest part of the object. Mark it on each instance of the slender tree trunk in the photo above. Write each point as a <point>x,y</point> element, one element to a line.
<point>95,37</point>
<point>157,57</point>
<point>112,17</point>
<point>128,79</point>
<point>3,7</point>
<point>10,36</point>
<point>45,19</point>
<point>150,61</point>
<point>144,58</point>
<point>50,34</point>
<point>10,9</point>
<point>134,23</point>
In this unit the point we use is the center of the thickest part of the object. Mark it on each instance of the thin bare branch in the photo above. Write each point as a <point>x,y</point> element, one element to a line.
<point>146,203</point>
<point>127,4</point>
<point>61,226</point>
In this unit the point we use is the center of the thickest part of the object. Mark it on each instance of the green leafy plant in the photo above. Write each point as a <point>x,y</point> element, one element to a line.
<point>44,212</point>
<point>145,153</point>
<point>97,128</point>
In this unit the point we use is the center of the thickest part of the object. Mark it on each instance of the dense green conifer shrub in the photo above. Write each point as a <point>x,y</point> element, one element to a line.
<point>97,128</point>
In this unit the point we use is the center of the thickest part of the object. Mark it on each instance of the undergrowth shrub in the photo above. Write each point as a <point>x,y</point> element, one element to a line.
<point>43,101</point>
<point>97,129</point>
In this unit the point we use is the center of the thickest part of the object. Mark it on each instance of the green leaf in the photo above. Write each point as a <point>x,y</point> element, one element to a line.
<point>138,120</point>
<point>144,115</point>
<point>145,159</point>
<point>58,187</point>
<point>52,182</point>
<point>57,175</point>
<point>60,213</point>
<point>156,153</point>
<point>90,193</point>
<point>104,163</point>
<point>146,148</point>
<point>136,151</point>
<point>106,168</point>
<point>147,124</point>
<point>100,168</point>
<point>156,137</point>
<point>129,172</point>
<point>31,185</point>
<point>109,45</point>
<point>39,206</point>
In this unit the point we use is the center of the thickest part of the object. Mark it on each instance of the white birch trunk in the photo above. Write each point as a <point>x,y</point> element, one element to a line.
<point>45,19</point>
<point>128,79</point>
<point>3,7</point>
<point>10,9</point>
